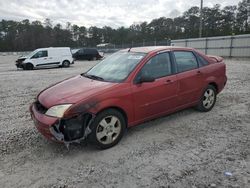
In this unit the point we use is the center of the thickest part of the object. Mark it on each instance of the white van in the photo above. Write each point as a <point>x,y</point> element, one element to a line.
<point>46,57</point>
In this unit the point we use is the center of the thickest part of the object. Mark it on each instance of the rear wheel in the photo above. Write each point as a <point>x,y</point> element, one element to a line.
<point>208,99</point>
<point>107,129</point>
<point>94,58</point>
<point>66,63</point>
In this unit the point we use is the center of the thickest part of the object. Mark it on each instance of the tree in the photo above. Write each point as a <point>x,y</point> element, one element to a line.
<point>26,35</point>
<point>241,18</point>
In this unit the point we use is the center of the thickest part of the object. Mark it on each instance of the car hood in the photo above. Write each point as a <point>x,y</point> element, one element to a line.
<point>21,59</point>
<point>72,91</point>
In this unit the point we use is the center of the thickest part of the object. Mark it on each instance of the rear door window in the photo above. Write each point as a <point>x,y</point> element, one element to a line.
<point>185,61</point>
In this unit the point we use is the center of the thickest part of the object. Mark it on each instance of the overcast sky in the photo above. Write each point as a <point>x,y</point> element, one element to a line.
<point>88,13</point>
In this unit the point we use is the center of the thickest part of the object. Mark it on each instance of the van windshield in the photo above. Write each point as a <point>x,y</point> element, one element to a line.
<point>116,67</point>
<point>32,53</point>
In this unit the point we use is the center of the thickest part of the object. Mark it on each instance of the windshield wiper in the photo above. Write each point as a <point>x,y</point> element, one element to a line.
<point>94,77</point>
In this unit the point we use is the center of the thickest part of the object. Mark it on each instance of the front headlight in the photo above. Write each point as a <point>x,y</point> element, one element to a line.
<point>58,110</point>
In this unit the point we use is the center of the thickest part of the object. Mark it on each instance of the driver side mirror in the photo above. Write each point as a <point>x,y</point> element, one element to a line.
<point>145,78</point>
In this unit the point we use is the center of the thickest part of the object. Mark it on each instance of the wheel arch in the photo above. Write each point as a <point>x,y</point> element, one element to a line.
<point>119,109</point>
<point>66,60</point>
<point>214,84</point>
<point>28,63</point>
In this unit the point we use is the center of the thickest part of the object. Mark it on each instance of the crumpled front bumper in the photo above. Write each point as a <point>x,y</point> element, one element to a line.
<point>62,130</point>
<point>19,65</point>
<point>43,123</point>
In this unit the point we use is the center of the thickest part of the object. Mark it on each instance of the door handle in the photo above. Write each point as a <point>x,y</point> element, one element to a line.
<point>169,82</point>
<point>199,72</point>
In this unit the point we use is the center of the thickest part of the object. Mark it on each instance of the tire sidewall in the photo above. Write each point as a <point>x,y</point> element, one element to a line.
<point>92,136</point>
<point>66,63</point>
<point>201,106</point>
<point>28,66</point>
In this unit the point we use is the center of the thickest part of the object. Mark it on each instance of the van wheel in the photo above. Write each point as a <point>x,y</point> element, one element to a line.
<point>107,129</point>
<point>207,100</point>
<point>66,63</point>
<point>94,58</point>
<point>28,66</point>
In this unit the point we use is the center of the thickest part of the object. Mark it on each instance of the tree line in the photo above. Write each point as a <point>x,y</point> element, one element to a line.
<point>217,21</point>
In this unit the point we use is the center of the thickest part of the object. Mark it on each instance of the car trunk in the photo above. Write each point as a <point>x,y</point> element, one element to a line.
<point>216,58</point>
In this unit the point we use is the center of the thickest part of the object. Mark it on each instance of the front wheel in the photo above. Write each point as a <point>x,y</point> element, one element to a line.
<point>28,66</point>
<point>207,100</point>
<point>107,129</point>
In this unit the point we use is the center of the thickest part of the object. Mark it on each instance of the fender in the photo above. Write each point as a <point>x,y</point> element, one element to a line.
<point>124,105</point>
<point>211,79</point>
<point>94,106</point>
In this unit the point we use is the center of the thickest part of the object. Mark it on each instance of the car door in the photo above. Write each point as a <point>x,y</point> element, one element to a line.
<point>157,97</point>
<point>189,77</point>
<point>40,59</point>
<point>80,54</point>
<point>88,54</point>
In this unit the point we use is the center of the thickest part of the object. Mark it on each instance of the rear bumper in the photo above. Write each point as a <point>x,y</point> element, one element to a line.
<point>222,84</point>
<point>43,123</point>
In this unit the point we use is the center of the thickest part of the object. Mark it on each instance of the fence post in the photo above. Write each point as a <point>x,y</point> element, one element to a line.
<point>186,41</point>
<point>155,42</point>
<point>206,40</point>
<point>231,47</point>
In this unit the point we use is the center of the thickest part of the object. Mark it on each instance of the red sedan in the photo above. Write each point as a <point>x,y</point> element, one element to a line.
<point>127,88</point>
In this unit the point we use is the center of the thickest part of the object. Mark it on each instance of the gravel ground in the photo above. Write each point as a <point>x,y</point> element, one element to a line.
<point>185,149</point>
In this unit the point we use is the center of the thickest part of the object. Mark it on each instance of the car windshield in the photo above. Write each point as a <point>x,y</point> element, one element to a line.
<point>116,67</point>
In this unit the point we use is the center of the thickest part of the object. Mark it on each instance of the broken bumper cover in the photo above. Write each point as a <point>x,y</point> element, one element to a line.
<point>62,130</point>
<point>19,65</point>
<point>43,123</point>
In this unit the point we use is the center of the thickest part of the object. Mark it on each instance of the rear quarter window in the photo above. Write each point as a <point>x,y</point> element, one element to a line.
<point>202,62</point>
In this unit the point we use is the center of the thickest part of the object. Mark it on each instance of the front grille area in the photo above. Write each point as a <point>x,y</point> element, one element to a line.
<point>42,109</point>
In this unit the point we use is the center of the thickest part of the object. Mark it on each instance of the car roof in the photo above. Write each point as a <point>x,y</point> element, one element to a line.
<point>148,49</point>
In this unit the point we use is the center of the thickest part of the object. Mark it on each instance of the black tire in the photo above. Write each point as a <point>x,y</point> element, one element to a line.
<point>65,63</point>
<point>28,66</point>
<point>208,99</point>
<point>94,58</point>
<point>96,127</point>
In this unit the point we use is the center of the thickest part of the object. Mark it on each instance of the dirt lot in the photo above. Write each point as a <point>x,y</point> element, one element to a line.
<point>185,149</point>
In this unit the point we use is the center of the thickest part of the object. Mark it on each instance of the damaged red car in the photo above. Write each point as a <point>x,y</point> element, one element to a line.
<point>125,89</point>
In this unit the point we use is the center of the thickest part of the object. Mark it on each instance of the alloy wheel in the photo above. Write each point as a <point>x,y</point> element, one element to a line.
<point>108,129</point>
<point>208,98</point>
